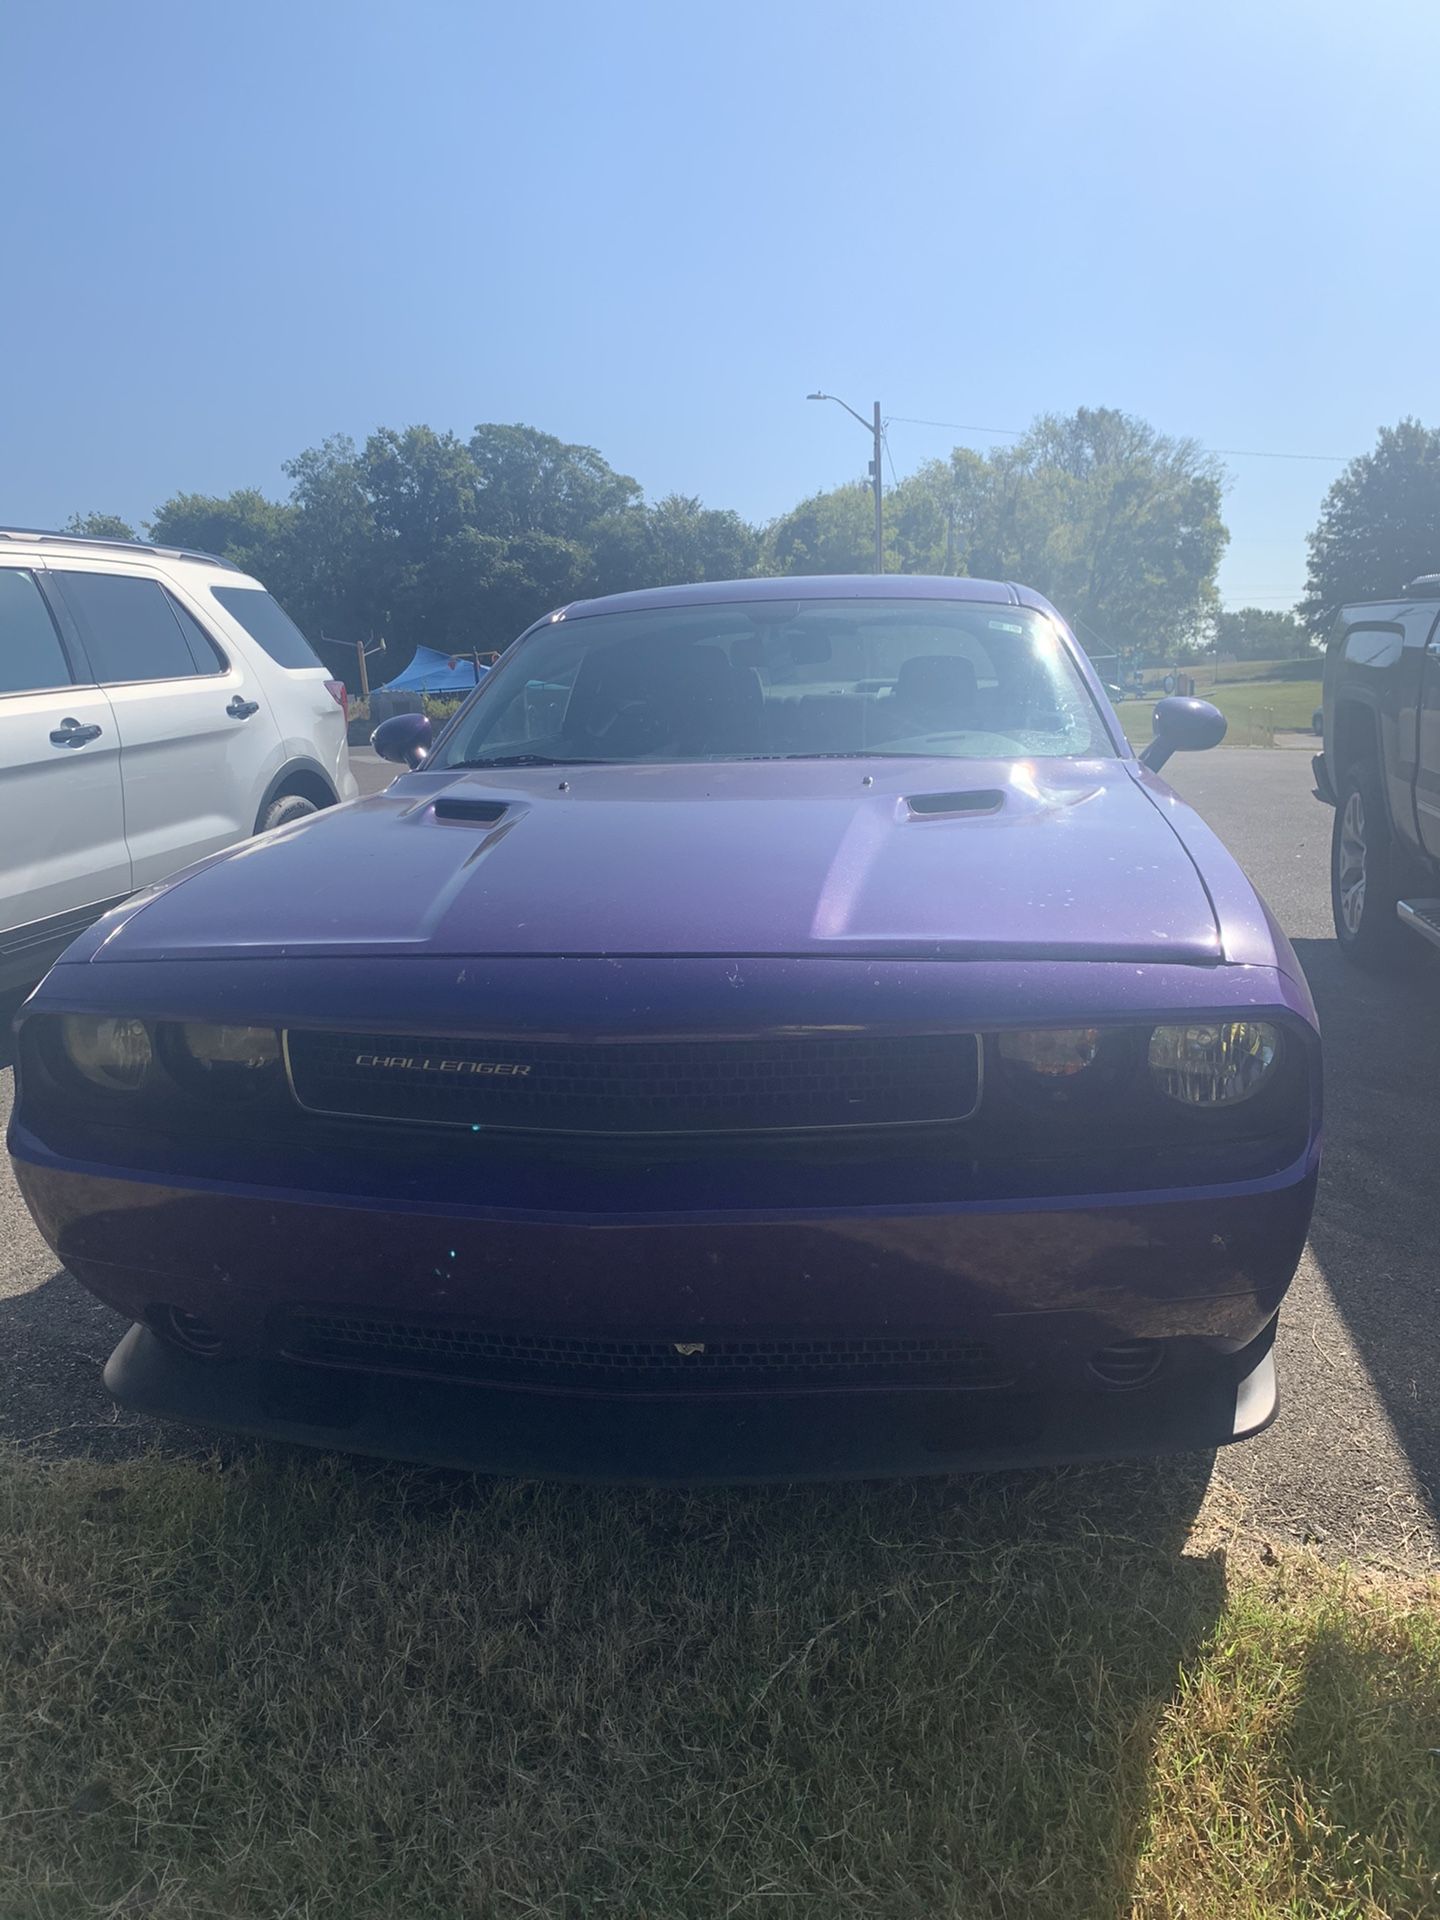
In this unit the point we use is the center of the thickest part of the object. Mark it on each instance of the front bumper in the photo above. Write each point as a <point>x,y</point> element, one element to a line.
<point>573,1246</point>
<point>783,1437</point>
<point>1041,1288</point>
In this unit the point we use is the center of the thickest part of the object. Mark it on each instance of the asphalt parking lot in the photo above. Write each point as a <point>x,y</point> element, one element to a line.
<point>1353,1463</point>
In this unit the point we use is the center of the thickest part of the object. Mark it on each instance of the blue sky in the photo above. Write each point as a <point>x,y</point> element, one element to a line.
<point>236,229</point>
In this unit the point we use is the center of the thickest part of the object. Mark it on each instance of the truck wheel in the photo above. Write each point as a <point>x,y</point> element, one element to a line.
<point>1364,872</point>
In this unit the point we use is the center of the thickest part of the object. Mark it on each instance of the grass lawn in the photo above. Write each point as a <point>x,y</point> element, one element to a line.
<point>306,1687</point>
<point>1252,706</point>
<point>1306,668</point>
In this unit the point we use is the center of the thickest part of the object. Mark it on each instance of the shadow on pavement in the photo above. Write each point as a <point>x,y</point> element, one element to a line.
<point>54,1342</point>
<point>1374,1230</point>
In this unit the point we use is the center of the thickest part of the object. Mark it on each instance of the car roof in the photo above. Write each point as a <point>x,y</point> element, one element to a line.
<point>1355,613</point>
<point>90,545</point>
<point>824,586</point>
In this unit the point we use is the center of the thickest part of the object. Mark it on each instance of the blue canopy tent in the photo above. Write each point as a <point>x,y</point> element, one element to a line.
<point>432,672</point>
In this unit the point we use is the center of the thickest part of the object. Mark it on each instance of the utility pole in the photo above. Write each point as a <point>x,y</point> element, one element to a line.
<point>876,429</point>
<point>362,654</point>
<point>879,511</point>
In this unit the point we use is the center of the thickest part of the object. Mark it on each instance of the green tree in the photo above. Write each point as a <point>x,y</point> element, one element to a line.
<point>427,539</point>
<point>1118,524</point>
<point>530,482</point>
<point>244,527</point>
<point>919,530</point>
<point>332,570</point>
<point>422,487</point>
<point>1261,633</point>
<point>684,540</point>
<point>830,532</point>
<point>1115,522</point>
<point>101,526</point>
<point>1379,525</point>
<point>476,591</point>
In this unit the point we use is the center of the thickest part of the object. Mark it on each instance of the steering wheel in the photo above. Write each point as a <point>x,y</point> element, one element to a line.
<point>634,727</point>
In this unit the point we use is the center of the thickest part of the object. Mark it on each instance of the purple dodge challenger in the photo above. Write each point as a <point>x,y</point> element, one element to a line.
<point>776,1029</point>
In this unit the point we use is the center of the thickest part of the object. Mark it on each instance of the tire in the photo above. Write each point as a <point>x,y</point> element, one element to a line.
<point>1365,871</point>
<point>290,806</point>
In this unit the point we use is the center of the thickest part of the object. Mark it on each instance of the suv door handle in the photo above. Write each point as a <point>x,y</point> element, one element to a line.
<point>70,733</point>
<point>239,709</point>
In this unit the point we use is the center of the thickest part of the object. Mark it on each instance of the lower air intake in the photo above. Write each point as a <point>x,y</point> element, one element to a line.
<point>713,1364</point>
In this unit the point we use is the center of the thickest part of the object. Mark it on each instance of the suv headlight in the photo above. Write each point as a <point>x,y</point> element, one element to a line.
<point>1214,1063</point>
<point>108,1052</point>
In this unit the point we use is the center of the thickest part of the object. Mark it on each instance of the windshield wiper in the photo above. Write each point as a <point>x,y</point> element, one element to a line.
<point>527,760</point>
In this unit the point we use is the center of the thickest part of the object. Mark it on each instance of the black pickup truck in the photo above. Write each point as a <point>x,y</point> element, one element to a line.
<point>1380,770</point>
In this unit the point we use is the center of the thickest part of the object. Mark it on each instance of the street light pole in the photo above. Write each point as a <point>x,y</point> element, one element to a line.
<point>874,428</point>
<point>879,511</point>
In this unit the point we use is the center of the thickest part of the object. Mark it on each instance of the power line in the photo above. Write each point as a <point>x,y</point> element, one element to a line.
<point>1004,433</point>
<point>885,438</point>
<point>1249,453</point>
<point>1018,433</point>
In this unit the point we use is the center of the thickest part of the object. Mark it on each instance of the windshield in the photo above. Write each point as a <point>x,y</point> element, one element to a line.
<point>808,679</point>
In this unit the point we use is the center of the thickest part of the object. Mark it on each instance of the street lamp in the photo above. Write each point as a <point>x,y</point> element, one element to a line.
<point>871,427</point>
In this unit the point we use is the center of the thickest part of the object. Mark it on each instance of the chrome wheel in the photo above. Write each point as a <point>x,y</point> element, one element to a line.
<point>1350,877</point>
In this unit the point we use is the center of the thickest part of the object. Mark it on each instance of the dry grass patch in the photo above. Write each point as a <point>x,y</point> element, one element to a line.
<point>306,1687</point>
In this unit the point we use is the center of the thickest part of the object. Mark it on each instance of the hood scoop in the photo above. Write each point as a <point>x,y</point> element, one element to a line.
<point>470,809</point>
<point>944,805</point>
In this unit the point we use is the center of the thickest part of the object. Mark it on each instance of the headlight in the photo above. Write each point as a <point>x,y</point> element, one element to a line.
<point>1215,1063</point>
<point>1052,1054</point>
<point>231,1052</point>
<point>110,1053</point>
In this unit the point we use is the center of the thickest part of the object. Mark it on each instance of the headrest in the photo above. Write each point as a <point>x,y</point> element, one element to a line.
<point>939,682</point>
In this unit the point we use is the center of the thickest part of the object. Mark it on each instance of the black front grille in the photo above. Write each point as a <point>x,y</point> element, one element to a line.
<point>792,1082</point>
<point>708,1364</point>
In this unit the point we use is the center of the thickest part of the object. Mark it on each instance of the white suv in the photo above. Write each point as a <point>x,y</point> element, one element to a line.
<point>155,706</point>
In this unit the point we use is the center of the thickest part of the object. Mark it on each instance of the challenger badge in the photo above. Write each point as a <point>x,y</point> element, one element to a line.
<point>422,1063</point>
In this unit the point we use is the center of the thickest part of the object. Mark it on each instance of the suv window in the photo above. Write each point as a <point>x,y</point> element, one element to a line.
<point>267,622</point>
<point>132,629</point>
<point>31,656</point>
<point>208,657</point>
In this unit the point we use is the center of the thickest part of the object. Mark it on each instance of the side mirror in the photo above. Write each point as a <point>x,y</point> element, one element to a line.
<point>404,737</point>
<point>1182,726</point>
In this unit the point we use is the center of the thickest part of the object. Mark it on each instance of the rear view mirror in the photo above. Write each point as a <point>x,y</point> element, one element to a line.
<point>1183,726</point>
<point>404,737</point>
<point>804,647</point>
<point>810,649</point>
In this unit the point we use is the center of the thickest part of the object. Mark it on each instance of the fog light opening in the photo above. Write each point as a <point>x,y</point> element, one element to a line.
<point>1128,1363</point>
<point>189,1331</point>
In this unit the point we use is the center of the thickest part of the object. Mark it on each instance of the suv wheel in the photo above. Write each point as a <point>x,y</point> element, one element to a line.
<point>290,806</point>
<point>1364,877</point>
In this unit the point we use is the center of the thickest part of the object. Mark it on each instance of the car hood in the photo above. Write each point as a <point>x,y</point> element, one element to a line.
<point>875,857</point>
